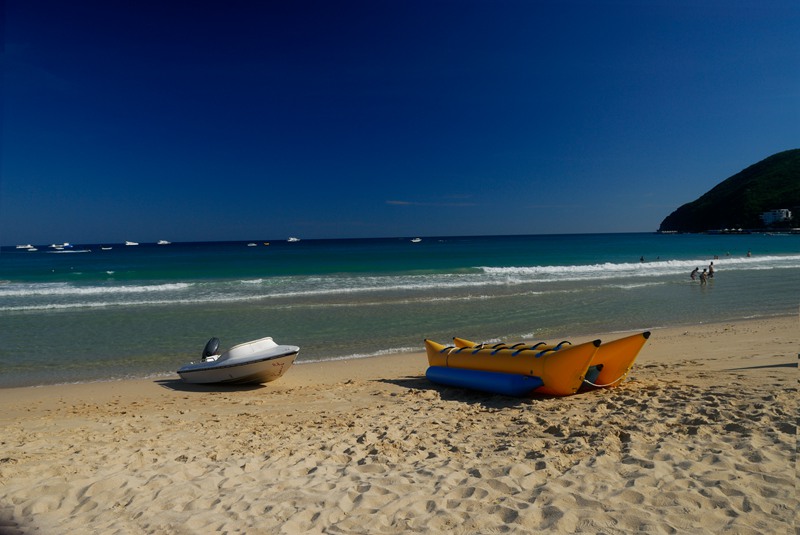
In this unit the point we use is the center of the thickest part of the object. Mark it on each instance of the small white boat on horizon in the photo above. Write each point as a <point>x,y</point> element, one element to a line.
<point>416,240</point>
<point>292,239</point>
<point>258,361</point>
<point>164,242</point>
<point>131,243</point>
<point>27,246</point>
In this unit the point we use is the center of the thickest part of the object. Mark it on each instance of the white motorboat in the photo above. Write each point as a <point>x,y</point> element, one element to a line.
<point>258,361</point>
<point>164,242</point>
<point>416,240</point>
<point>129,243</point>
<point>27,246</point>
<point>292,239</point>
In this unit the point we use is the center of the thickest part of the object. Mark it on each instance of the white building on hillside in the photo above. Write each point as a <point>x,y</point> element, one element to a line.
<point>776,216</point>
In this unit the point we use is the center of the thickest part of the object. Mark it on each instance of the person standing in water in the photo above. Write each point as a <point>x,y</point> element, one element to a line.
<point>693,274</point>
<point>711,270</point>
<point>703,277</point>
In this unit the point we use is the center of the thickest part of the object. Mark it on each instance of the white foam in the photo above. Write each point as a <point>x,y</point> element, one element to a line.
<point>471,285</point>
<point>66,289</point>
<point>639,269</point>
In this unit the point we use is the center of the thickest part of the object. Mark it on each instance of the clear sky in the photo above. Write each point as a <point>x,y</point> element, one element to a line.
<point>228,120</point>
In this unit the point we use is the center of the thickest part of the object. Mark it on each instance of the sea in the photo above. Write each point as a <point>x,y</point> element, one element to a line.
<point>91,312</point>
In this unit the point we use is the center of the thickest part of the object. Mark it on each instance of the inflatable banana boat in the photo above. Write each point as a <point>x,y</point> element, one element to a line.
<point>524,369</point>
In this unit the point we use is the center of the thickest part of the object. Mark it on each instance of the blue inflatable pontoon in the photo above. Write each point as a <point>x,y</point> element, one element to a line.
<point>508,384</point>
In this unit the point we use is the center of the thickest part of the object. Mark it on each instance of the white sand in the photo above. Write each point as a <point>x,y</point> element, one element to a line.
<point>700,439</point>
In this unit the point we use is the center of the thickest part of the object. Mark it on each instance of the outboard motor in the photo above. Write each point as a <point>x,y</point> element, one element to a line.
<point>212,346</point>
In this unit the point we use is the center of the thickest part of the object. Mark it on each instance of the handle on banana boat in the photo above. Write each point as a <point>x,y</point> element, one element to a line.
<point>483,346</point>
<point>618,379</point>
<point>523,348</point>
<point>556,348</point>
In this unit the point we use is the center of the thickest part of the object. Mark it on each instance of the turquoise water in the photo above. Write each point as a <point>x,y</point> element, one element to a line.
<point>84,313</point>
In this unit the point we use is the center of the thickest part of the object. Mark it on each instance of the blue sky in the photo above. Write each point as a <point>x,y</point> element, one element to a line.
<point>261,120</point>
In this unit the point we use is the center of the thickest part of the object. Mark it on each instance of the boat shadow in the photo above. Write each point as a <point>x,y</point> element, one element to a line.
<point>471,397</point>
<point>766,366</point>
<point>178,385</point>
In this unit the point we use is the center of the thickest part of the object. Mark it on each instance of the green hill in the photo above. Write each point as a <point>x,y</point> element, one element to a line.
<point>739,201</point>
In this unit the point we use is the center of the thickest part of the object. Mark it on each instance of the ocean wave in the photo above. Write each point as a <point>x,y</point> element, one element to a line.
<point>66,289</point>
<point>369,354</point>
<point>479,283</point>
<point>232,299</point>
<point>640,269</point>
<point>63,296</point>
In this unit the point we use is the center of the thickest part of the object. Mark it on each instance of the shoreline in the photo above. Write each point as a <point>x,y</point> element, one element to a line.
<point>699,437</point>
<point>606,336</point>
<point>373,360</point>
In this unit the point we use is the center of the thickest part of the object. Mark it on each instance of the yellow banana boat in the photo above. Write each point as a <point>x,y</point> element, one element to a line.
<point>609,366</point>
<point>560,371</point>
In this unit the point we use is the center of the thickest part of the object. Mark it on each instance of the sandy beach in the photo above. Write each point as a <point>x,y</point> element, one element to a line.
<point>701,438</point>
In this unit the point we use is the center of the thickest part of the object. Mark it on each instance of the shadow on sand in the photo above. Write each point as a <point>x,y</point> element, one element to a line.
<point>179,386</point>
<point>450,393</point>
<point>787,365</point>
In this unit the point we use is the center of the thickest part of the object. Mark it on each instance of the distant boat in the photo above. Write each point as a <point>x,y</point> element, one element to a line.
<point>416,240</point>
<point>105,248</point>
<point>131,243</point>
<point>252,245</point>
<point>32,249</point>
<point>293,239</point>
<point>164,242</point>
<point>28,246</point>
<point>59,246</point>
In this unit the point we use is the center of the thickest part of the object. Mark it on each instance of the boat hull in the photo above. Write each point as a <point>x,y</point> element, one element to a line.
<point>260,361</point>
<point>609,366</point>
<point>615,359</point>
